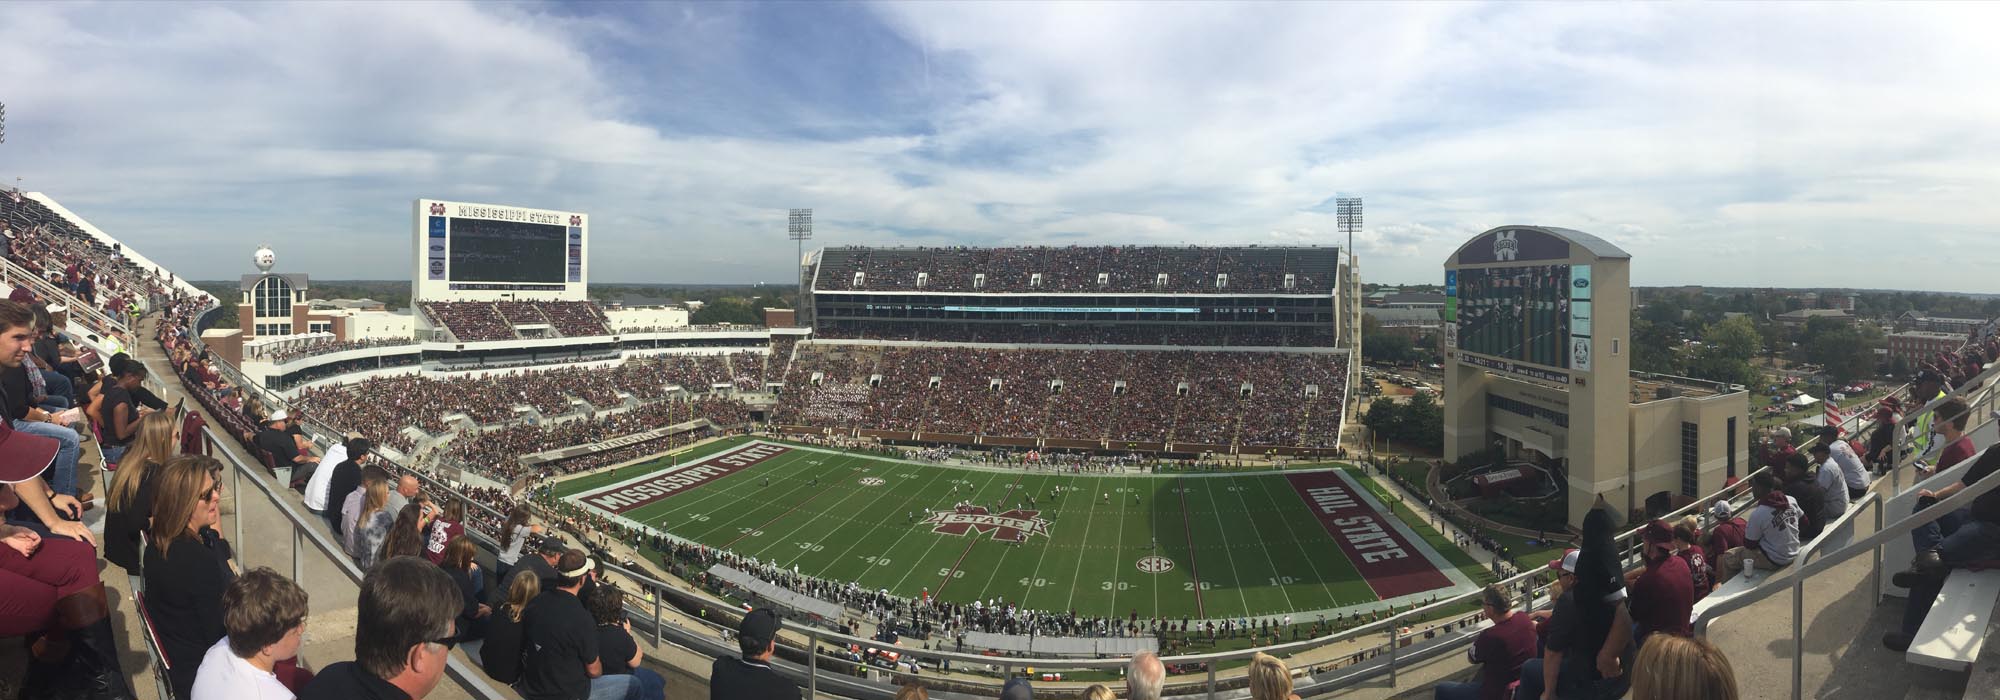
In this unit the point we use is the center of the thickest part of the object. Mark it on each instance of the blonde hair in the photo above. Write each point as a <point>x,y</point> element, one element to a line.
<point>1681,668</point>
<point>915,691</point>
<point>155,443</point>
<point>1269,679</point>
<point>1099,692</point>
<point>373,499</point>
<point>524,588</point>
<point>178,493</point>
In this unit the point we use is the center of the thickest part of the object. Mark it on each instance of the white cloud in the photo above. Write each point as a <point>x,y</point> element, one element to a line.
<point>1674,131</point>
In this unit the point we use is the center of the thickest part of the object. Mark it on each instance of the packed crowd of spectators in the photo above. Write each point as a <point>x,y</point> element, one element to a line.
<point>483,320</point>
<point>1218,398</point>
<point>1214,335</point>
<point>496,452</point>
<point>307,347</point>
<point>92,272</point>
<point>1079,268</point>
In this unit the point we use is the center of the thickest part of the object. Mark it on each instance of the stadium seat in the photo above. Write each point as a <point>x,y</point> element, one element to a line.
<point>1955,630</point>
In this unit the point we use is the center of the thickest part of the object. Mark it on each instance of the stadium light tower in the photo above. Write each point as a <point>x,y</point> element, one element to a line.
<point>1347,214</point>
<point>800,229</point>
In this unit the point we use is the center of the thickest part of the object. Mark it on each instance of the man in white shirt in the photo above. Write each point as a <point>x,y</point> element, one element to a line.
<point>1852,469</point>
<point>1832,479</point>
<point>1772,531</point>
<point>316,495</point>
<point>265,616</point>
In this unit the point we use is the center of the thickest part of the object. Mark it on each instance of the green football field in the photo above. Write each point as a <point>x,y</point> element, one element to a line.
<point>1195,546</point>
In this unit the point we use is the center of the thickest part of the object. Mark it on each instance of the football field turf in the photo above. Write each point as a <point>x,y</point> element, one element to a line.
<point>1196,546</point>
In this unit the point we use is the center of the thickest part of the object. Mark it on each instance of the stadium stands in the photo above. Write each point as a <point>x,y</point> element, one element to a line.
<point>471,321</point>
<point>1101,269</point>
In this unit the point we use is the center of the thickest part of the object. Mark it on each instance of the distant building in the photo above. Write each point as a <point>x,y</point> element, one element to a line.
<point>1946,324</point>
<point>1409,323</point>
<point>1838,300</point>
<point>1413,300</point>
<point>1801,316</point>
<point>1916,347</point>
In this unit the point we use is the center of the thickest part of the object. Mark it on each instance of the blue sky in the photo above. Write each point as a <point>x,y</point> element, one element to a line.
<point>1722,144</point>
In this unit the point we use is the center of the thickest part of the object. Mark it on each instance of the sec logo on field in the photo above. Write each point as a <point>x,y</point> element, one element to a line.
<point>1155,564</point>
<point>872,481</point>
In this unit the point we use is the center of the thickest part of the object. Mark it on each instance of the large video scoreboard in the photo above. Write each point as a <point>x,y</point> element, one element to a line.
<point>487,251</point>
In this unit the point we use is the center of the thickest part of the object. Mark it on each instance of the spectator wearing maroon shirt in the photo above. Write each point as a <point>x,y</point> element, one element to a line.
<point>1951,429</point>
<point>1687,535</point>
<point>1725,531</point>
<point>1500,650</point>
<point>445,529</point>
<point>1663,592</point>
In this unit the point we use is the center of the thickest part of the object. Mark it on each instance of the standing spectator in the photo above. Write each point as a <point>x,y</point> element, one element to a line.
<point>617,651</point>
<point>1589,631</point>
<point>1500,650</point>
<point>402,635</point>
<point>750,675</point>
<point>500,656</point>
<point>464,571</point>
<point>1269,680</point>
<point>1956,539</point>
<point>562,660</point>
<point>188,565</point>
<point>449,526</point>
<point>1772,531</point>
<point>1682,668</point>
<point>513,536</point>
<point>265,617</point>
<point>321,490</point>
<point>130,499</point>
<point>1145,676</point>
<point>1663,595</point>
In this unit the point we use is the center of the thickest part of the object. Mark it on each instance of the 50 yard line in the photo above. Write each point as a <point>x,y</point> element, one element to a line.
<point>1187,532</point>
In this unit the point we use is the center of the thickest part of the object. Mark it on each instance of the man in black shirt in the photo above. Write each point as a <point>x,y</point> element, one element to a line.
<point>120,412</point>
<point>346,477</point>
<point>17,336</point>
<point>402,637</point>
<point>283,448</point>
<point>560,641</point>
<point>751,676</point>
<point>1970,534</point>
<point>540,564</point>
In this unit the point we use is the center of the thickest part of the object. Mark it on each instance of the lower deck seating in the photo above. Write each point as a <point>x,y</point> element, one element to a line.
<point>1955,630</point>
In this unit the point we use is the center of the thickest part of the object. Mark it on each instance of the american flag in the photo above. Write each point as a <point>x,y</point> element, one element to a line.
<point>1834,418</point>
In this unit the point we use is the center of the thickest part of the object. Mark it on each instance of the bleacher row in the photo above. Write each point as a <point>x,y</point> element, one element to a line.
<point>90,271</point>
<point>471,321</point>
<point>1211,398</point>
<point>1206,335</point>
<point>1101,269</point>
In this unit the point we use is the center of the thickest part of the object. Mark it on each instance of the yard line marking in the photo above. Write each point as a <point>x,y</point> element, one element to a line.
<point>1117,551</point>
<point>1299,544</point>
<point>1259,532</point>
<point>746,490</point>
<point>973,536</point>
<point>1187,531</point>
<point>878,523</point>
<point>852,491</point>
<point>1235,573</point>
<point>1070,604</point>
<point>1045,552</point>
<point>788,511</point>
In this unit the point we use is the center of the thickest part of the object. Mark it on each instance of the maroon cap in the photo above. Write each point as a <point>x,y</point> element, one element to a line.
<point>1657,532</point>
<point>24,456</point>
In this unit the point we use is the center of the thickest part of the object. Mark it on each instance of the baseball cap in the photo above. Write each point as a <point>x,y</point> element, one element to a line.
<point>1929,375</point>
<point>1017,689</point>
<point>1567,564</point>
<point>24,456</point>
<point>1720,510</point>
<point>1657,532</point>
<point>759,626</point>
<point>277,415</point>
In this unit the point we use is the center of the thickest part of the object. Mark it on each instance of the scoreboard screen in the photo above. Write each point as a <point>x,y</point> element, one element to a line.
<point>485,250</point>
<point>1516,313</point>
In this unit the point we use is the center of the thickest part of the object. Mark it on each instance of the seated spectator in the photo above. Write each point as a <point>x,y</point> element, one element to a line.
<point>265,617</point>
<point>1016,688</point>
<point>1798,483</point>
<point>1145,677</point>
<point>542,564</point>
<point>1662,593</point>
<point>750,675</point>
<point>52,590</point>
<point>1686,536</point>
<point>130,498</point>
<point>1269,680</point>
<point>188,565</point>
<point>1499,651</point>
<point>1725,532</point>
<point>1956,539</point>
<point>1853,471</point>
<point>565,663</point>
<point>1680,668</point>
<point>1950,425</point>
<point>405,537</point>
<point>17,335</point>
<point>402,635</point>
<point>119,412</point>
<point>1771,532</point>
<point>501,655</point>
<point>617,651</point>
<point>1096,691</point>
<point>372,518</point>
<point>345,478</point>
<point>464,571</point>
<point>1831,480</point>
<point>277,440</point>
<point>447,527</point>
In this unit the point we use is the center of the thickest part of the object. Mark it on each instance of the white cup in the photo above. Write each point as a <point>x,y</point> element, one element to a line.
<point>1749,568</point>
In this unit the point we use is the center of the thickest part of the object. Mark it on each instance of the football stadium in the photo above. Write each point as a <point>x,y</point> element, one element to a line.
<point>956,465</point>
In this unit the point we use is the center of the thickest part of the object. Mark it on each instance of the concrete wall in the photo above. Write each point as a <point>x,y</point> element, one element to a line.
<point>656,317</point>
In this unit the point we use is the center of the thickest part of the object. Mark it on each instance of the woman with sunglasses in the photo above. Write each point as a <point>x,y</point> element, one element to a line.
<point>187,565</point>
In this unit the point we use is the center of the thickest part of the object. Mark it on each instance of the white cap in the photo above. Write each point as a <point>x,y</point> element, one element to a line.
<point>1568,561</point>
<point>1720,511</point>
<point>278,416</point>
<point>57,308</point>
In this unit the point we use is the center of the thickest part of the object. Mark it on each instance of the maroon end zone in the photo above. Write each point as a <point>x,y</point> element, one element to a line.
<point>1390,563</point>
<point>636,494</point>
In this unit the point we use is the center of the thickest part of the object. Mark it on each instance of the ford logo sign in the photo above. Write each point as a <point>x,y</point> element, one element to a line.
<point>1581,283</point>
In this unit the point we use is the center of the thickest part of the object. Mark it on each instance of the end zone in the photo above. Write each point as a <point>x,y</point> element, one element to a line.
<point>1392,561</point>
<point>647,489</point>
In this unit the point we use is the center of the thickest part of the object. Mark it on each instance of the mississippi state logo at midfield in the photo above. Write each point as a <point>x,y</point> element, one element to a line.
<point>872,481</point>
<point>1009,526</point>
<point>1155,564</point>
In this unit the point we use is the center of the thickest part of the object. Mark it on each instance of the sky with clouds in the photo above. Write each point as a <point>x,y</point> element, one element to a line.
<point>1721,144</point>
